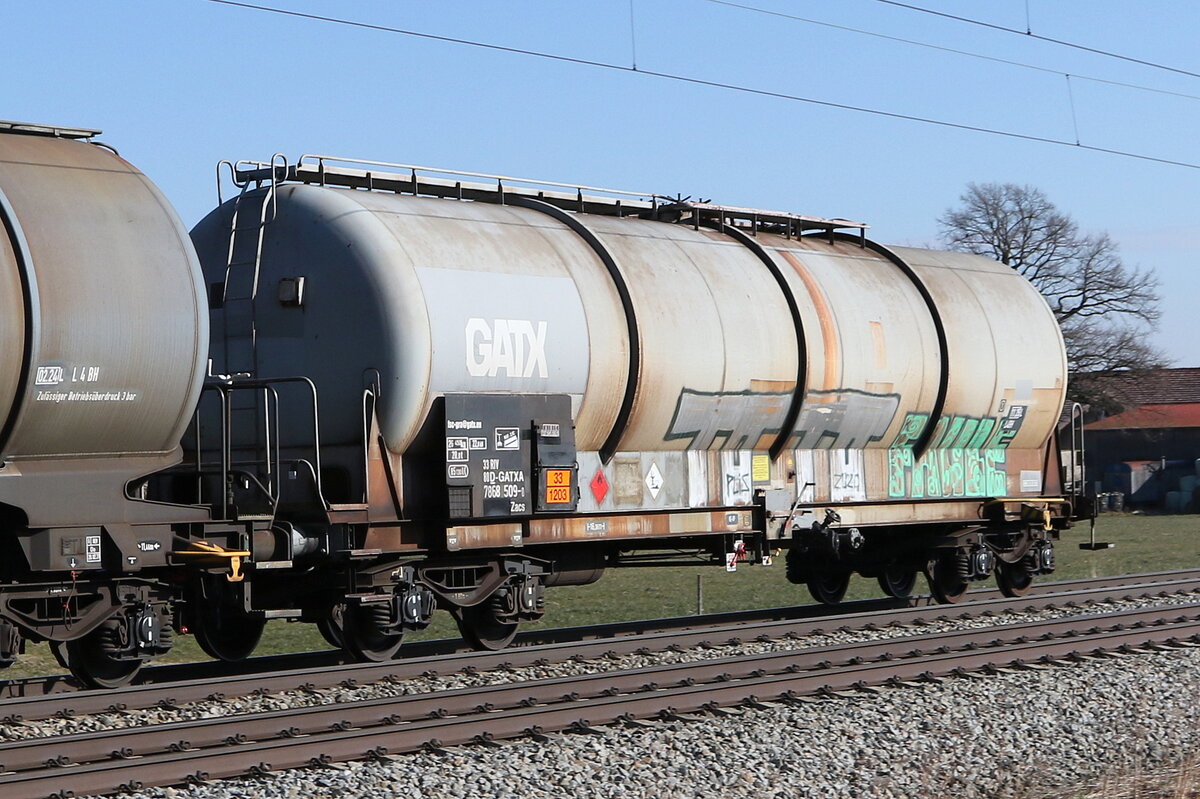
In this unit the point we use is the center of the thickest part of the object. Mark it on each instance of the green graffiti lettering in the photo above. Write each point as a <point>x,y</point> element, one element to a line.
<point>997,478</point>
<point>899,462</point>
<point>966,434</point>
<point>973,465</point>
<point>954,482</point>
<point>910,430</point>
<point>951,434</point>
<point>970,462</point>
<point>982,434</point>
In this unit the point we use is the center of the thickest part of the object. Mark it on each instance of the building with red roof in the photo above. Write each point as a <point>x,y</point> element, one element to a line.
<point>1150,450</point>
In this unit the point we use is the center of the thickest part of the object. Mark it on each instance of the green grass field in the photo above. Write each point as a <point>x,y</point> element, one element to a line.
<point>1143,544</point>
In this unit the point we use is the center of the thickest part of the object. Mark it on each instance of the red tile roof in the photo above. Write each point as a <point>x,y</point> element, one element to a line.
<point>1157,386</point>
<point>1152,415</point>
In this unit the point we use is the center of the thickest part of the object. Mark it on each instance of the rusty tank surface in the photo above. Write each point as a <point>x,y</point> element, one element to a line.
<point>689,354</point>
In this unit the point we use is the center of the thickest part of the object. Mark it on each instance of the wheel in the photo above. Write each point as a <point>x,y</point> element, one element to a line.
<point>482,630</point>
<point>10,644</point>
<point>945,582</point>
<point>92,659</point>
<point>331,628</point>
<point>228,634</point>
<point>898,581</point>
<point>331,631</point>
<point>1013,578</point>
<point>829,585</point>
<point>365,635</point>
<point>221,625</point>
<point>797,569</point>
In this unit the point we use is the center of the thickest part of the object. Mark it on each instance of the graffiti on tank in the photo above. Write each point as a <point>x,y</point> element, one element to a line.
<point>737,487</point>
<point>966,456</point>
<point>736,468</point>
<point>838,419</point>
<point>844,418</point>
<point>740,418</point>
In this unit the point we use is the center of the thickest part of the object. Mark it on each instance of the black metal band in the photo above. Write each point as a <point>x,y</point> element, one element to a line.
<point>609,448</point>
<point>20,250</point>
<point>797,403</point>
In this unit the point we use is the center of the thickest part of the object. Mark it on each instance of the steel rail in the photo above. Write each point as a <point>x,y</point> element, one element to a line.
<point>38,706</point>
<point>212,669</point>
<point>323,659</point>
<point>171,753</point>
<point>141,741</point>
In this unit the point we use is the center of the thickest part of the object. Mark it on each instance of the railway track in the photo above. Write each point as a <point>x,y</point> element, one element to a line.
<point>296,737</point>
<point>178,685</point>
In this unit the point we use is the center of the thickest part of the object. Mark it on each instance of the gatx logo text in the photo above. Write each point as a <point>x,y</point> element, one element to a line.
<point>506,347</point>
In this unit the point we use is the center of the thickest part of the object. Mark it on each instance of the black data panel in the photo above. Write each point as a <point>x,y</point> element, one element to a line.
<point>509,454</point>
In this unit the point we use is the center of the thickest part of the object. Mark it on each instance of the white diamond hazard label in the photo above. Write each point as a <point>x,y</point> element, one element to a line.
<point>654,480</point>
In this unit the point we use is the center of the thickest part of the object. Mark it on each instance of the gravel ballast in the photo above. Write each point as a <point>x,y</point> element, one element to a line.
<point>1011,735</point>
<point>237,706</point>
<point>1018,734</point>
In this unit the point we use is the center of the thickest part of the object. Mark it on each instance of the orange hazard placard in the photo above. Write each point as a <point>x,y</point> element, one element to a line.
<point>558,486</point>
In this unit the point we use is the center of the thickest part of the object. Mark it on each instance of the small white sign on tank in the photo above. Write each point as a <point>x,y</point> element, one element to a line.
<point>847,482</point>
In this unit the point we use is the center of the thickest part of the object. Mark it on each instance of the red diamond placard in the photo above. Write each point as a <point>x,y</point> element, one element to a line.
<point>599,486</point>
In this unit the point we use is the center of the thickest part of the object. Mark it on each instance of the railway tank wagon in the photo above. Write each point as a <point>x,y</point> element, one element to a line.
<point>508,386</point>
<point>105,334</point>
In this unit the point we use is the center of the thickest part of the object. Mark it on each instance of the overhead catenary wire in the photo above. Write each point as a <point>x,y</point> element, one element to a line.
<point>702,82</point>
<point>952,50</point>
<point>1030,35</point>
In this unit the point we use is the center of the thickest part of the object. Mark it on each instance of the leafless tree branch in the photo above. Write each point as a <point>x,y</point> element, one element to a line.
<point>1106,309</point>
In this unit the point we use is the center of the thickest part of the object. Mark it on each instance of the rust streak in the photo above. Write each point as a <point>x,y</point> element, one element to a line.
<point>829,337</point>
<point>879,344</point>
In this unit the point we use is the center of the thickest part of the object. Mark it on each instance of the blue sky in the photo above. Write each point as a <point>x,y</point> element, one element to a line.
<point>179,84</point>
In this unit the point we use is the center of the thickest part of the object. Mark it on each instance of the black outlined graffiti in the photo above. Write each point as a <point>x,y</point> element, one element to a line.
<point>837,419</point>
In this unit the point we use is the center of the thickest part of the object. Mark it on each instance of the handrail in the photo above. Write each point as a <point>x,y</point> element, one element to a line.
<point>321,160</point>
<point>268,453</point>
<point>1077,454</point>
<point>344,171</point>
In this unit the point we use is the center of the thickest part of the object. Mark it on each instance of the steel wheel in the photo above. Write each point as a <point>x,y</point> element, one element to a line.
<point>228,634</point>
<point>482,630</point>
<point>1013,579</point>
<point>829,586</point>
<point>898,581</point>
<point>945,583</point>
<point>331,627</point>
<point>796,567</point>
<point>10,644</point>
<point>220,623</point>
<point>92,660</point>
<point>365,635</point>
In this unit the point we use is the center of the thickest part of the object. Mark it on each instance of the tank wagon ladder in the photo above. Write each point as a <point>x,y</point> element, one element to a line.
<point>254,209</point>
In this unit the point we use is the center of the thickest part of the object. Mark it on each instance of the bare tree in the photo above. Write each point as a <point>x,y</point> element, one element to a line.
<point>1106,309</point>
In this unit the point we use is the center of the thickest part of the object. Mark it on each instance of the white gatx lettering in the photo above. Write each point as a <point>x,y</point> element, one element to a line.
<point>508,347</point>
